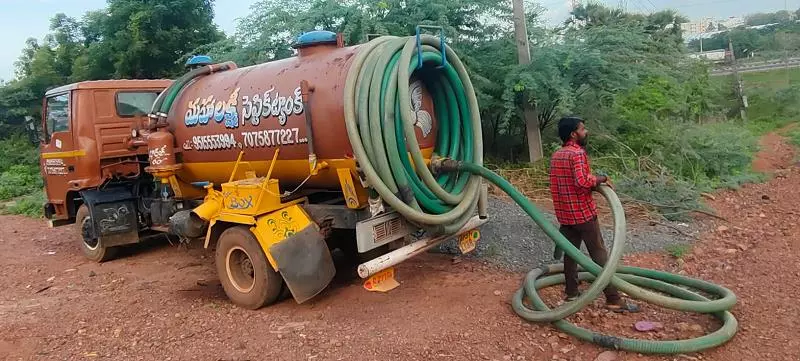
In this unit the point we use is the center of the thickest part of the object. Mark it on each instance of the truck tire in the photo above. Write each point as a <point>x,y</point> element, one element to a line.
<point>91,245</point>
<point>246,275</point>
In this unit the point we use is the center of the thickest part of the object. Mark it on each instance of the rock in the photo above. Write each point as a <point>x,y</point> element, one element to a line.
<point>742,246</point>
<point>682,326</point>
<point>722,229</point>
<point>92,274</point>
<point>202,283</point>
<point>606,356</point>
<point>497,293</point>
<point>644,326</point>
<point>765,197</point>
<point>567,349</point>
<point>696,328</point>
<point>762,215</point>
<point>507,357</point>
<point>731,251</point>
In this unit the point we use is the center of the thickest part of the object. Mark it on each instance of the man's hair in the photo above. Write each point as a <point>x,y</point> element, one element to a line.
<point>566,126</point>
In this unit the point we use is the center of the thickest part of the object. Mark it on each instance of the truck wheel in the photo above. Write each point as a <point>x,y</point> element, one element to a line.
<point>246,275</point>
<point>91,245</point>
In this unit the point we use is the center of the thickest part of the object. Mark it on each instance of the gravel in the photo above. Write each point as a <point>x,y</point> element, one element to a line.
<point>513,241</point>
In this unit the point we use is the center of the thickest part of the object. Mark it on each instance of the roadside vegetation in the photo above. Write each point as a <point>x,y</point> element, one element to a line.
<point>21,186</point>
<point>661,126</point>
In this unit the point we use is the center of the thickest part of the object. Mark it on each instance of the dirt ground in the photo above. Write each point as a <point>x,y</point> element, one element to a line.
<point>160,302</point>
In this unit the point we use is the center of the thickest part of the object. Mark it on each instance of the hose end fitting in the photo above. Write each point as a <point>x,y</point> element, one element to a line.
<point>444,165</point>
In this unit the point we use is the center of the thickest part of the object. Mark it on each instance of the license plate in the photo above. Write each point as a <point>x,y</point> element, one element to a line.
<point>382,281</point>
<point>468,240</point>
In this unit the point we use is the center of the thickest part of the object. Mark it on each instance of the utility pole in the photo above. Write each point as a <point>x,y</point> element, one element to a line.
<point>535,150</point>
<point>739,86</point>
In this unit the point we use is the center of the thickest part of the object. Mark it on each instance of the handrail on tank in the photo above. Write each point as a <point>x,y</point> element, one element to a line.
<point>269,174</point>
<point>236,166</point>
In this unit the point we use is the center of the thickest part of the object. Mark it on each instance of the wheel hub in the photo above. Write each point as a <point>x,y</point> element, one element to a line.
<point>87,233</point>
<point>240,269</point>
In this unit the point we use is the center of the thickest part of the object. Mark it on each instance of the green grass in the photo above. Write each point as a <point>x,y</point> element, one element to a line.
<point>29,205</point>
<point>20,179</point>
<point>773,97</point>
<point>794,136</point>
<point>678,250</point>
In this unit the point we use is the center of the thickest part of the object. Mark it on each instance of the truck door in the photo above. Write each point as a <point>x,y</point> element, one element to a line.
<point>58,153</point>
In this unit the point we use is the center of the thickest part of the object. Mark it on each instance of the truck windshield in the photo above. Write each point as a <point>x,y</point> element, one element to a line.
<point>57,114</point>
<point>135,103</point>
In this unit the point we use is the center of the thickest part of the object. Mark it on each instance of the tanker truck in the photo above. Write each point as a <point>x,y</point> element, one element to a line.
<point>275,165</point>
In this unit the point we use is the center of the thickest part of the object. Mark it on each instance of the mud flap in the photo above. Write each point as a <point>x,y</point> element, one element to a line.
<point>305,263</point>
<point>114,215</point>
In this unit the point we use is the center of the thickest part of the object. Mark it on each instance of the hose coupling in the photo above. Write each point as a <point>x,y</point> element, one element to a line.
<point>444,165</point>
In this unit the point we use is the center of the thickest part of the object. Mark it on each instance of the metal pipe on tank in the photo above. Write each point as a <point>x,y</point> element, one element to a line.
<point>305,91</point>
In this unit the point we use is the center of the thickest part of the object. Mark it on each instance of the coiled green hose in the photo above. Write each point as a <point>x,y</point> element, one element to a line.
<point>380,126</point>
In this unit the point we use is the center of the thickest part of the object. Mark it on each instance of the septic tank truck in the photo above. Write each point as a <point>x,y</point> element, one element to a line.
<point>274,165</point>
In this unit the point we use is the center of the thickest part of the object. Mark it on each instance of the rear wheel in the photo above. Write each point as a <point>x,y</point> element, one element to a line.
<point>246,275</point>
<point>91,245</point>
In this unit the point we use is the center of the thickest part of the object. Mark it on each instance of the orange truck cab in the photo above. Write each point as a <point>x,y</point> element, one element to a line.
<point>84,148</point>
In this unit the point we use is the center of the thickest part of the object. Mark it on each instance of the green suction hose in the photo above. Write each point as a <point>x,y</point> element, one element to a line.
<point>380,125</point>
<point>632,280</point>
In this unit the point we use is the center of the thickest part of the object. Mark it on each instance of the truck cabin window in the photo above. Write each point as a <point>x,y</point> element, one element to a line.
<point>57,114</point>
<point>131,104</point>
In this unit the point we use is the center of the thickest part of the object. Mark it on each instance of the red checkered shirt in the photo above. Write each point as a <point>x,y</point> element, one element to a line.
<point>571,183</point>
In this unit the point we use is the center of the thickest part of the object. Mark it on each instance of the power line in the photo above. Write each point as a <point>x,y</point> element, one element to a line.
<point>653,5</point>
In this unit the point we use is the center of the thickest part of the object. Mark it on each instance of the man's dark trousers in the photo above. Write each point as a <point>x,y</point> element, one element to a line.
<point>589,233</point>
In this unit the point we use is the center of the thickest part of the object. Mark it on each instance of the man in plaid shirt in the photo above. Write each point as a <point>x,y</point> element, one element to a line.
<point>571,186</point>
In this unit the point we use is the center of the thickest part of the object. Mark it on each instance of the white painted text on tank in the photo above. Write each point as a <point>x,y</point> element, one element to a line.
<point>271,104</point>
<point>214,142</point>
<point>272,138</point>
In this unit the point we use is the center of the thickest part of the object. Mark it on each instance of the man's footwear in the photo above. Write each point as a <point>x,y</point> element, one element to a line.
<point>623,306</point>
<point>571,298</point>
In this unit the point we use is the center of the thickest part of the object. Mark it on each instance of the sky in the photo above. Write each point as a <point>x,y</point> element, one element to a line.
<point>22,19</point>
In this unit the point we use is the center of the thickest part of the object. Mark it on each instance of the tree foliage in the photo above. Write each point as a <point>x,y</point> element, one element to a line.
<point>627,74</point>
<point>128,39</point>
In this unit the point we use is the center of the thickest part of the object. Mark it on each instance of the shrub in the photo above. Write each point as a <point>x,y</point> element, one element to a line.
<point>19,180</point>
<point>29,205</point>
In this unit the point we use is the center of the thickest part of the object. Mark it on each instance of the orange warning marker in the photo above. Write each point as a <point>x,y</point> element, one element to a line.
<point>468,240</point>
<point>382,281</point>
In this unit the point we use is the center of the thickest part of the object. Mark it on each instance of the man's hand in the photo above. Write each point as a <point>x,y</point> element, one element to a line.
<point>610,184</point>
<point>601,179</point>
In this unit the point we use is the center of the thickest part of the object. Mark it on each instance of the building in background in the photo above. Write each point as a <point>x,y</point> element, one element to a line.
<point>732,22</point>
<point>710,25</point>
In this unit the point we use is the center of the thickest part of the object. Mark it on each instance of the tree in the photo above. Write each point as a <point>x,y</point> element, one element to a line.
<point>128,39</point>
<point>145,39</point>
<point>756,19</point>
